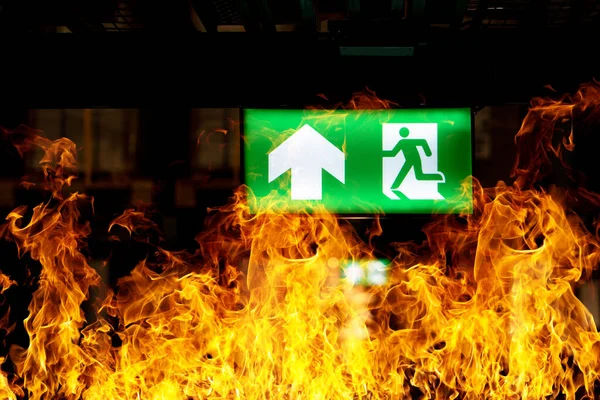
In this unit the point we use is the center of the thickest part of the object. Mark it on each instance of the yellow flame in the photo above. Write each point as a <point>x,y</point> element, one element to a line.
<point>7,390</point>
<point>484,309</point>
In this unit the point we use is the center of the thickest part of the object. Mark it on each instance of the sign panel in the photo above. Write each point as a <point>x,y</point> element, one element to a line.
<point>358,161</point>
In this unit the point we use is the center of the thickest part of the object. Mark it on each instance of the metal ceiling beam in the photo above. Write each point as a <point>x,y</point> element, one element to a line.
<point>206,13</point>
<point>265,16</point>
<point>479,14</point>
<point>309,16</point>
<point>460,11</point>
<point>250,16</point>
<point>399,7</point>
<point>418,8</point>
<point>353,8</point>
<point>256,15</point>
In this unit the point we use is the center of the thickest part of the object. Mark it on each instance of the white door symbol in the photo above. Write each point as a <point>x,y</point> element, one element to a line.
<point>410,164</point>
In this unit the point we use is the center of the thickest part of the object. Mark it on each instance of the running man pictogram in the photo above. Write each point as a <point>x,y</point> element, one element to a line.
<point>410,150</point>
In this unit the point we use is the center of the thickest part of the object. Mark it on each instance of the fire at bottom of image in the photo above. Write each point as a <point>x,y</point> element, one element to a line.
<point>483,309</point>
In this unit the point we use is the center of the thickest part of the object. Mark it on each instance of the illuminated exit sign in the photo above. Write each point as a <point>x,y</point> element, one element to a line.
<point>358,161</point>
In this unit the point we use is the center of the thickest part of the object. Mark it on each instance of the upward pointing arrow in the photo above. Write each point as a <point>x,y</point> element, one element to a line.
<point>307,153</point>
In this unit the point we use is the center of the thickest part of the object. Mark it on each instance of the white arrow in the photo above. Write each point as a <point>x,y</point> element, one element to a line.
<point>307,153</point>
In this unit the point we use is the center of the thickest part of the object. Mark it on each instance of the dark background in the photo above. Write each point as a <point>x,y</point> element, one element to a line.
<point>156,84</point>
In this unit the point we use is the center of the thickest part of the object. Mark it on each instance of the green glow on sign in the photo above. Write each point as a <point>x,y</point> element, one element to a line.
<point>358,161</point>
<point>366,273</point>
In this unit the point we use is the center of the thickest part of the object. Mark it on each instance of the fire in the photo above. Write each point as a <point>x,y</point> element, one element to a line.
<point>485,308</point>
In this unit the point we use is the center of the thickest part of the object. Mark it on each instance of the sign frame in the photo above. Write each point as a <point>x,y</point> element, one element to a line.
<point>356,215</point>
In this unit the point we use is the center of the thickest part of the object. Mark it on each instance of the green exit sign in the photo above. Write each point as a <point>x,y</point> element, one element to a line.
<point>358,161</point>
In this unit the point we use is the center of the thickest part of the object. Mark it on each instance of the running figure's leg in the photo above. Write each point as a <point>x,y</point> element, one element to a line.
<point>401,175</point>
<point>421,176</point>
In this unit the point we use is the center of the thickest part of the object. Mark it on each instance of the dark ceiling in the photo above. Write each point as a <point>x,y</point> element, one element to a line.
<point>272,15</point>
<point>130,53</point>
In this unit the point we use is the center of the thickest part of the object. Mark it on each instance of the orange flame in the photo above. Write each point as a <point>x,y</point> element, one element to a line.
<point>547,132</point>
<point>484,309</point>
<point>56,361</point>
<point>7,389</point>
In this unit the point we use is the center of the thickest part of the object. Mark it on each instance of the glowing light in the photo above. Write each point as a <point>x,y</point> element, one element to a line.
<point>376,273</point>
<point>354,273</point>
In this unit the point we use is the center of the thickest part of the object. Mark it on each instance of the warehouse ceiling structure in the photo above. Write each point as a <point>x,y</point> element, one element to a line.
<point>268,52</point>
